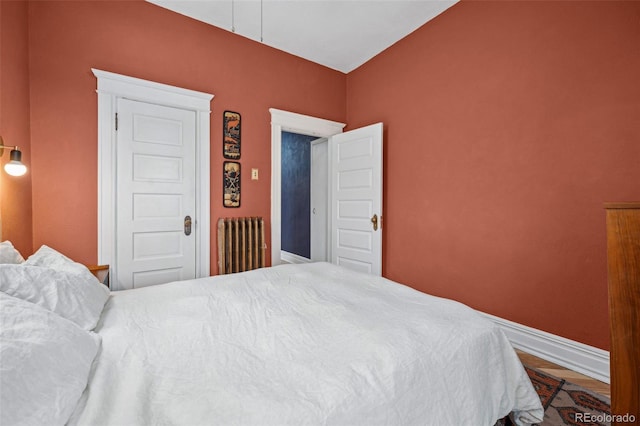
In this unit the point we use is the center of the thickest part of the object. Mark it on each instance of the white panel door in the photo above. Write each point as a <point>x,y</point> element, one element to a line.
<point>155,193</point>
<point>356,199</point>
<point>319,199</point>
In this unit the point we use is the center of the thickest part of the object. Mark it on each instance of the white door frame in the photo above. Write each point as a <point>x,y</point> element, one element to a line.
<point>313,196</point>
<point>295,123</point>
<point>112,86</point>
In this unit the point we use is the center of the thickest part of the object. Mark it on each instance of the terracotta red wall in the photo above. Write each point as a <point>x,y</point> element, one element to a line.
<point>508,125</point>
<point>142,40</point>
<point>15,192</point>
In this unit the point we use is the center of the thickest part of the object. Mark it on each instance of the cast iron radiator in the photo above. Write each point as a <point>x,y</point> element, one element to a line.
<point>241,245</point>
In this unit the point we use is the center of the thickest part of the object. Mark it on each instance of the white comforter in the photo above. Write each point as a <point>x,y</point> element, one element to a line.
<point>300,345</point>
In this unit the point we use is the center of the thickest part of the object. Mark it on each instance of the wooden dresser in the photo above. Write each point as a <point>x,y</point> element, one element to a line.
<point>623,259</point>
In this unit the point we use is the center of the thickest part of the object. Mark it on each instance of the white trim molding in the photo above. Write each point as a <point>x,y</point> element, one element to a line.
<point>576,356</point>
<point>293,258</point>
<point>295,123</point>
<point>110,87</point>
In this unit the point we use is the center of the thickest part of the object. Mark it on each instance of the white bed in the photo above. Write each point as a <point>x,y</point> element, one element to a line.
<point>299,344</point>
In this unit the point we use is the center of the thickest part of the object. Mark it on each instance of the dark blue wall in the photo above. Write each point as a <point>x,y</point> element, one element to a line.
<point>296,187</point>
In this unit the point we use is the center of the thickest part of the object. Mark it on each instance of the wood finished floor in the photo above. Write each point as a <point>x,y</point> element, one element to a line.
<point>564,373</point>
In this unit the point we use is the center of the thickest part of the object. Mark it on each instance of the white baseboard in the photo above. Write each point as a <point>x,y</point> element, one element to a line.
<point>293,258</point>
<point>576,356</point>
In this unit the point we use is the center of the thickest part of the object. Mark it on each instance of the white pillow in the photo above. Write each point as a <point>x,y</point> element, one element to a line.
<point>50,258</point>
<point>45,364</point>
<point>76,297</point>
<point>8,254</point>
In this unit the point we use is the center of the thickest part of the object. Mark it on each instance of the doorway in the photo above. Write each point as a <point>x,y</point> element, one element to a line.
<point>354,179</point>
<point>294,123</point>
<point>112,88</point>
<point>304,170</point>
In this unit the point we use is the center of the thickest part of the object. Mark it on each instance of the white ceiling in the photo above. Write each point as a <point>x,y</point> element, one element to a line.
<point>340,34</point>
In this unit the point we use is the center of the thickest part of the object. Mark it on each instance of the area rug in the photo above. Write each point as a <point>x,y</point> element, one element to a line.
<point>566,403</point>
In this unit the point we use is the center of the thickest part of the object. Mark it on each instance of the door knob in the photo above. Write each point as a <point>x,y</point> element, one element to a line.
<point>187,225</point>
<point>374,220</point>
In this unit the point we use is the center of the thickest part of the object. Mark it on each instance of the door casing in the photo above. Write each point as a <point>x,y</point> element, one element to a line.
<point>110,87</point>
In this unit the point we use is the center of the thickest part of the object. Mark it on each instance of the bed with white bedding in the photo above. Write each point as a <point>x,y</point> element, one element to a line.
<point>294,345</point>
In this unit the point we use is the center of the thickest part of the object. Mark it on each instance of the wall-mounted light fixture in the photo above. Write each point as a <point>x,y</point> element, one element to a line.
<point>14,167</point>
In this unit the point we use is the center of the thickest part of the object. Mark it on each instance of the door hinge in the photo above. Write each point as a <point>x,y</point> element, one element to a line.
<point>116,121</point>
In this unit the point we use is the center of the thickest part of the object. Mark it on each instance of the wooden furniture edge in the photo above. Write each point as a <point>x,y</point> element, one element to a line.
<point>623,268</point>
<point>101,272</point>
<point>97,268</point>
<point>626,205</point>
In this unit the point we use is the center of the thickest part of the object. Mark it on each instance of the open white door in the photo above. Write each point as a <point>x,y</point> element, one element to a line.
<point>356,199</point>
